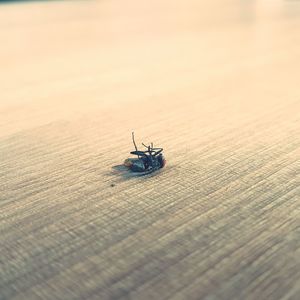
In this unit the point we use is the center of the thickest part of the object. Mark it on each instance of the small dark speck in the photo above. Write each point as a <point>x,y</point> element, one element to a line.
<point>112,185</point>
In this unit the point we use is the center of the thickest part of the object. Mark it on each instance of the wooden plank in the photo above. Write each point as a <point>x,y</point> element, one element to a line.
<point>216,84</point>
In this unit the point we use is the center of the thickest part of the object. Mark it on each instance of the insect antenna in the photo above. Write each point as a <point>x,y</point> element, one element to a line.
<point>134,143</point>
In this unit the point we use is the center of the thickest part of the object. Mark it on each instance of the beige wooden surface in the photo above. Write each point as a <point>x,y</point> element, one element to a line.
<point>216,83</point>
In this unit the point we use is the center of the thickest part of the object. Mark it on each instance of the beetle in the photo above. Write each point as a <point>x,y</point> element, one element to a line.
<point>147,161</point>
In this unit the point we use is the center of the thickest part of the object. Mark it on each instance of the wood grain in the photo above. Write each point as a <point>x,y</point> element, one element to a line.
<point>216,84</point>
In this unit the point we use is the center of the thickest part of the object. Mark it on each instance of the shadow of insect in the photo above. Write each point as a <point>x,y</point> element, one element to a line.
<point>122,171</point>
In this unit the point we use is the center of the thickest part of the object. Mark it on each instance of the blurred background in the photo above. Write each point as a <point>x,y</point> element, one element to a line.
<point>67,52</point>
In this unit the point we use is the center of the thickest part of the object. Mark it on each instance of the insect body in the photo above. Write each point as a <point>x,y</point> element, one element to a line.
<point>147,161</point>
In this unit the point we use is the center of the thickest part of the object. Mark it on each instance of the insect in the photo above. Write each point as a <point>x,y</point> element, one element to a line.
<point>147,161</point>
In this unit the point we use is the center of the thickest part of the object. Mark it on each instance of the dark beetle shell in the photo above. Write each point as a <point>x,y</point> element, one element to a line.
<point>148,161</point>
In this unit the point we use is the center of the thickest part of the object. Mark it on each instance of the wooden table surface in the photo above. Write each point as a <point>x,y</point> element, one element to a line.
<point>216,83</point>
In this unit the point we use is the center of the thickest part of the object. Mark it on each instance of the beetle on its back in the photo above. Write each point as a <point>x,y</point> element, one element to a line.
<point>147,161</point>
